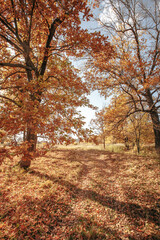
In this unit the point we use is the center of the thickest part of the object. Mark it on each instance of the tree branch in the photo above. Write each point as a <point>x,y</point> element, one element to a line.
<point>11,100</point>
<point>52,30</point>
<point>14,65</point>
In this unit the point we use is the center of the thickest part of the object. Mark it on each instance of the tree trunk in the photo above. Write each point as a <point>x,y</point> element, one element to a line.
<point>126,143</point>
<point>104,142</point>
<point>138,145</point>
<point>157,136</point>
<point>155,120</point>
<point>31,138</point>
<point>24,135</point>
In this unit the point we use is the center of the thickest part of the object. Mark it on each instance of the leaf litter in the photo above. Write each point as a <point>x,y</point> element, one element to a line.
<point>81,194</point>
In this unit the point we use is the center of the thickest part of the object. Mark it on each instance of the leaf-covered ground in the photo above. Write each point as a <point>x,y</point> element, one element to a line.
<point>81,194</point>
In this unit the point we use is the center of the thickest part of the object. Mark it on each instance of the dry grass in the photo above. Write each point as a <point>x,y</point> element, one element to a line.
<point>78,192</point>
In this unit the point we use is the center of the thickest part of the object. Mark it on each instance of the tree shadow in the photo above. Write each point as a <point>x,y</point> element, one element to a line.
<point>90,159</point>
<point>50,218</point>
<point>134,211</point>
<point>48,215</point>
<point>34,218</point>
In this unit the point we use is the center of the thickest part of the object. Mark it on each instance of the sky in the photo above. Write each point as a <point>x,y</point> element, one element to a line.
<point>95,98</point>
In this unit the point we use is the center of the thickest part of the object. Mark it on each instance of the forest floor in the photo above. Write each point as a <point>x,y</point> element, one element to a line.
<point>75,193</point>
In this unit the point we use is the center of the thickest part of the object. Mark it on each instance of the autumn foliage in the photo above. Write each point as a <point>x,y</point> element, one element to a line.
<point>40,89</point>
<point>114,122</point>
<point>133,69</point>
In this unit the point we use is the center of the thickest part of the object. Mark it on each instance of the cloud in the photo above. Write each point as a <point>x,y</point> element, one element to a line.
<point>108,15</point>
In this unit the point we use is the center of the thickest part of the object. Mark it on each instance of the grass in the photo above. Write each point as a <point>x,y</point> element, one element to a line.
<point>81,192</point>
<point>118,147</point>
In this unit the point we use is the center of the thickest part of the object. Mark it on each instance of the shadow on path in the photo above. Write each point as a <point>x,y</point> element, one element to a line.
<point>133,211</point>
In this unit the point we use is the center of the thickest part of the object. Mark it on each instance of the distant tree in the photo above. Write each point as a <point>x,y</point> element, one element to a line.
<point>135,129</point>
<point>98,126</point>
<point>141,127</point>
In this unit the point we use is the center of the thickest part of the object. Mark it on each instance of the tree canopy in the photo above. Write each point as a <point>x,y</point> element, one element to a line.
<point>40,90</point>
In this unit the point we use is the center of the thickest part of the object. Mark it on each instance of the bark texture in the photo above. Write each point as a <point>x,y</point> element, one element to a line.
<point>155,120</point>
<point>31,138</point>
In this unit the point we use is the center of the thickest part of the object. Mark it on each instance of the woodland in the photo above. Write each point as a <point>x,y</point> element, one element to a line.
<point>59,179</point>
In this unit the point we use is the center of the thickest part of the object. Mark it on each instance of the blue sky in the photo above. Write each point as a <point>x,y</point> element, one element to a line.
<point>95,98</point>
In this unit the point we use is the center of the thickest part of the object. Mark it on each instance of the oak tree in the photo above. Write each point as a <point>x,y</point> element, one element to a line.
<point>40,90</point>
